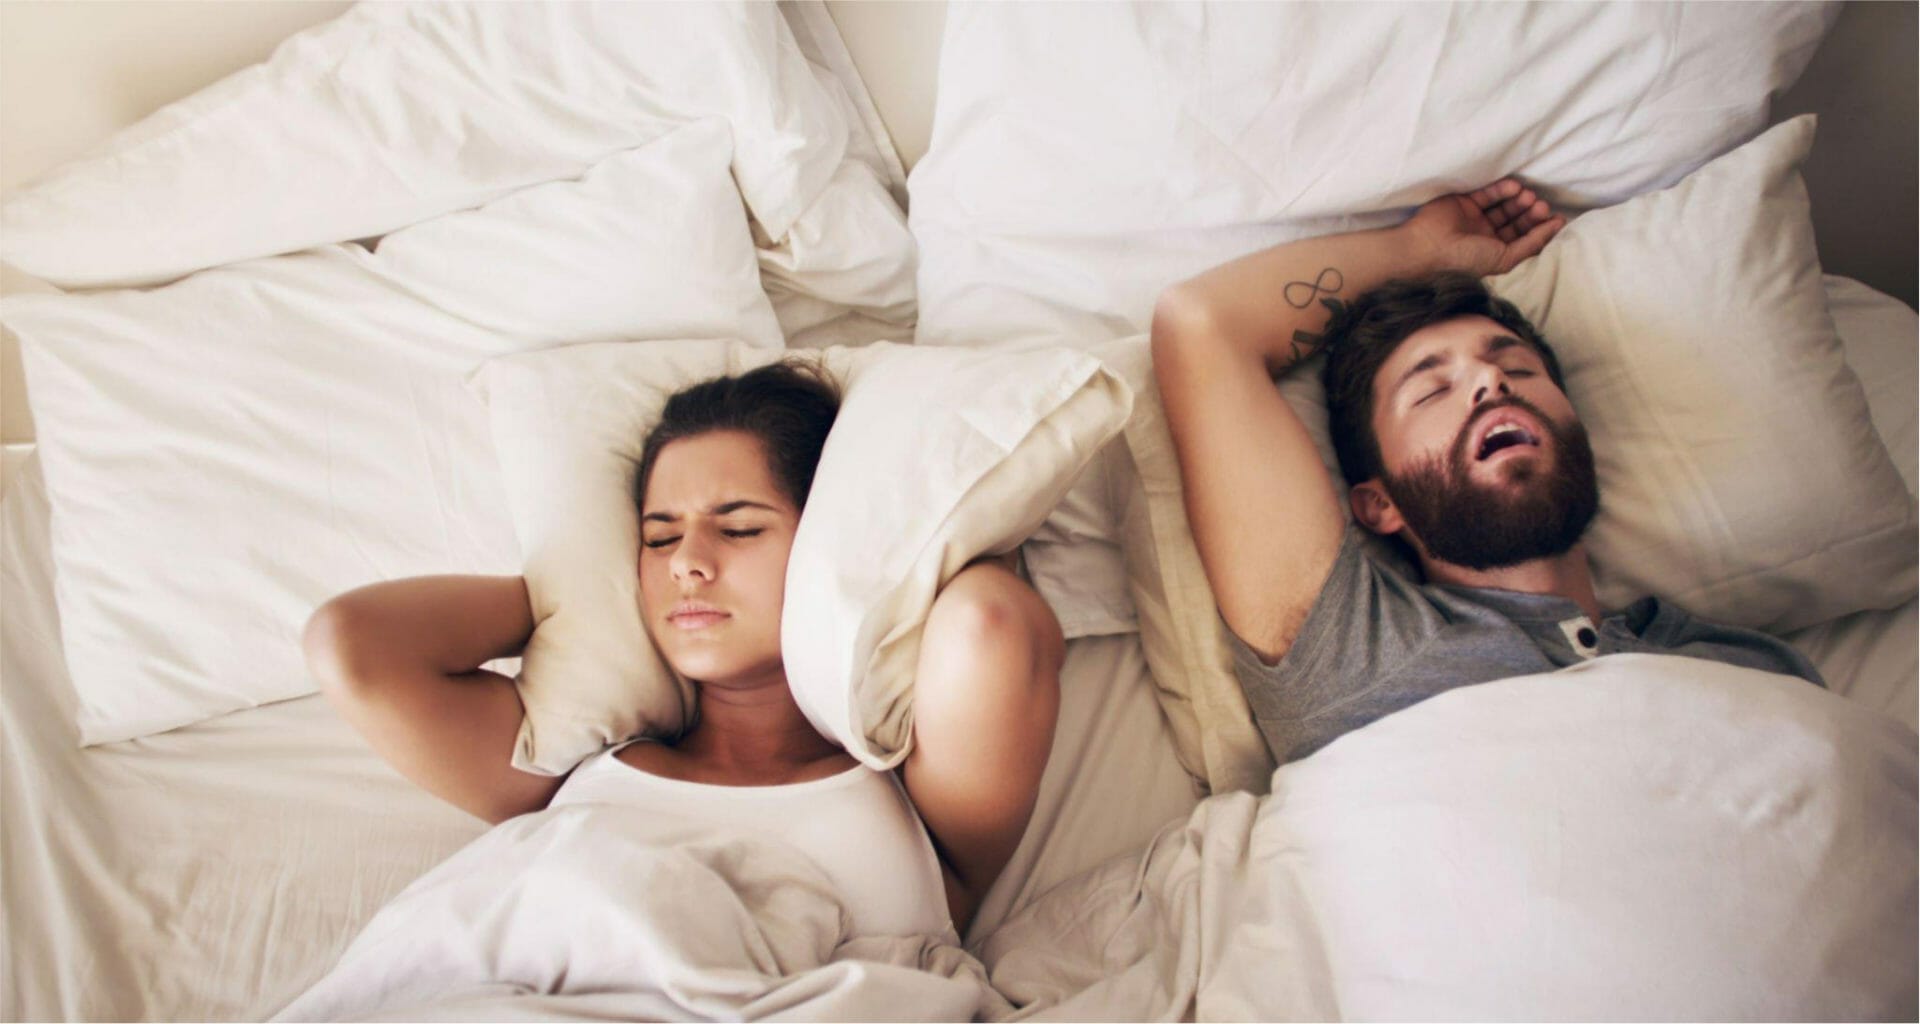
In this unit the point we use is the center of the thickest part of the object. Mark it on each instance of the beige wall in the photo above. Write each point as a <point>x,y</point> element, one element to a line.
<point>897,49</point>
<point>73,73</point>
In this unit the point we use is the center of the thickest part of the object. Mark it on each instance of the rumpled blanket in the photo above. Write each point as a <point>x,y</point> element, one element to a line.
<point>1637,837</point>
<point>572,913</point>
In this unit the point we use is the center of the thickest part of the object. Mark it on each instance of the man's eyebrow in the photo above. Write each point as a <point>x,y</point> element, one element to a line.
<point>724,508</point>
<point>1497,342</point>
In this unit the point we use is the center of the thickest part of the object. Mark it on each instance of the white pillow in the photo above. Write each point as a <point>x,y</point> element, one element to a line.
<point>396,113</point>
<point>1075,558</point>
<point>1085,156</point>
<point>843,273</point>
<point>937,456</point>
<point>1740,473</point>
<point>1181,632</point>
<point>225,453</point>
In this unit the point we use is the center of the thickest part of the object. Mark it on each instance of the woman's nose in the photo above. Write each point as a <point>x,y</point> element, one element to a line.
<point>692,559</point>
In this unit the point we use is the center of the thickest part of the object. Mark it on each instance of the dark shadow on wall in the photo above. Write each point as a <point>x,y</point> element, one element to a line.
<point>1861,174</point>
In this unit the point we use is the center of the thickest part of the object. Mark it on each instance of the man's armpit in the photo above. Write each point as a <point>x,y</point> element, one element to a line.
<point>1273,639</point>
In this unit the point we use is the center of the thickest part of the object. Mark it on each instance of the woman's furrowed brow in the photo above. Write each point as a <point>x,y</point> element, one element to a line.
<point>724,508</point>
<point>736,505</point>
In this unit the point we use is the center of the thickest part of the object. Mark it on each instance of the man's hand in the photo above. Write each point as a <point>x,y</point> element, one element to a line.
<point>1487,231</point>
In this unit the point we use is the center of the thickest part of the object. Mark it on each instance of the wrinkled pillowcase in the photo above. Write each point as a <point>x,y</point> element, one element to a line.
<point>227,452</point>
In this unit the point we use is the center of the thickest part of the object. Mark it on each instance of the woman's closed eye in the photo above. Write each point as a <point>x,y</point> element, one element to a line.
<point>732,533</point>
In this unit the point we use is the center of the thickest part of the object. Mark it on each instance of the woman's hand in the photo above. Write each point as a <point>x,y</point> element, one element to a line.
<point>1487,231</point>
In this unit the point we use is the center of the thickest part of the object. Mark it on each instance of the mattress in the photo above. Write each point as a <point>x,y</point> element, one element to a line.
<point>213,872</point>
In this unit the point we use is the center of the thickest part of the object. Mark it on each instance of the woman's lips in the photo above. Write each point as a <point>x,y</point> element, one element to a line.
<point>696,618</point>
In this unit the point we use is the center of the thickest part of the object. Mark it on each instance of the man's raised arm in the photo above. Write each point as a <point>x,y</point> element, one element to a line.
<point>1265,516</point>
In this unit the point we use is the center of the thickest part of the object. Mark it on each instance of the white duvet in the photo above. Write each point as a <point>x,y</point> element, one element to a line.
<point>1636,837</point>
<point>573,903</point>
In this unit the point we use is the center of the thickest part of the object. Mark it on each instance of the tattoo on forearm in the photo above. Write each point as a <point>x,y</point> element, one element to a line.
<point>1325,287</point>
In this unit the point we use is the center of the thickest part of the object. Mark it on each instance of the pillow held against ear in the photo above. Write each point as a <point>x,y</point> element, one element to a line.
<point>937,456</point>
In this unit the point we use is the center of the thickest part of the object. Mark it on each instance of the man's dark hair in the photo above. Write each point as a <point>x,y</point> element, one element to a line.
<point>789,406</point>
<point>1363,334</point>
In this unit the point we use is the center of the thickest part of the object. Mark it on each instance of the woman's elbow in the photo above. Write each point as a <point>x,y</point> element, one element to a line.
<point>993,610</point>
<point>333,643</point>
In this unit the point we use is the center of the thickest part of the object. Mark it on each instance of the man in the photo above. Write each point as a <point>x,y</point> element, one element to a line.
<point>1453,428</point>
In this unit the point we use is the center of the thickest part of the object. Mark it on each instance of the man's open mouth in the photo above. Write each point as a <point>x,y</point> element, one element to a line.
<point>1503,436</point>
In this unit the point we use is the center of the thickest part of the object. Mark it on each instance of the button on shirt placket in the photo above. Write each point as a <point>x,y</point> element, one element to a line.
<point>1582,636</point>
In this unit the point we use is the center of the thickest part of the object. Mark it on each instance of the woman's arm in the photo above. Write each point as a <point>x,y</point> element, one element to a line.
<point>985,701</point>
<point>401,662</point>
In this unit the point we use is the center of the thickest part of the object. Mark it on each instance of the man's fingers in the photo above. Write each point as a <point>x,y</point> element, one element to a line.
<point>1510,210</point>
<point>1486,197</point>
<point>1529,245</point>
<point>1536,214</point>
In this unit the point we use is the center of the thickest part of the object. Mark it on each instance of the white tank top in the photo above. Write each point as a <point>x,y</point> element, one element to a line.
<point>857,827</point>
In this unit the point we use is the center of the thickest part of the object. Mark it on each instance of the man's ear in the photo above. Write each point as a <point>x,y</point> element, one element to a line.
<point>1374,509</point>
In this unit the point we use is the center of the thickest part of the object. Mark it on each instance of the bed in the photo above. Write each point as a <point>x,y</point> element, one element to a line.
<point>164,861</point>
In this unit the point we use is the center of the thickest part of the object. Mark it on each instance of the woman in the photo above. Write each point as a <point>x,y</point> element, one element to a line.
<point>721,483</point>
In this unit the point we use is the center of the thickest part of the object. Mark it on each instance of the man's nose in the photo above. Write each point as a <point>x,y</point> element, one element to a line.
<point>1490,383</point>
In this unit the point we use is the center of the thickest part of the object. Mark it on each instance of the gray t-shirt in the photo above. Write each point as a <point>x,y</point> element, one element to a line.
<point>1375,642</point>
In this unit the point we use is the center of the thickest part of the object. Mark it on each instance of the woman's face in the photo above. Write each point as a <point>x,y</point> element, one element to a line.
<point>715,530</point>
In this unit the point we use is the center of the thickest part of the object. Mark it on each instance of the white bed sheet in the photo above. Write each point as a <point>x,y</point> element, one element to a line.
<point>200,873</point>
<point>215,871</point>
<point>1874,656</point>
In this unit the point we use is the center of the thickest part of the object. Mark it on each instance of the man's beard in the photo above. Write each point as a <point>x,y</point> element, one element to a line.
<point>1478,527</point>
